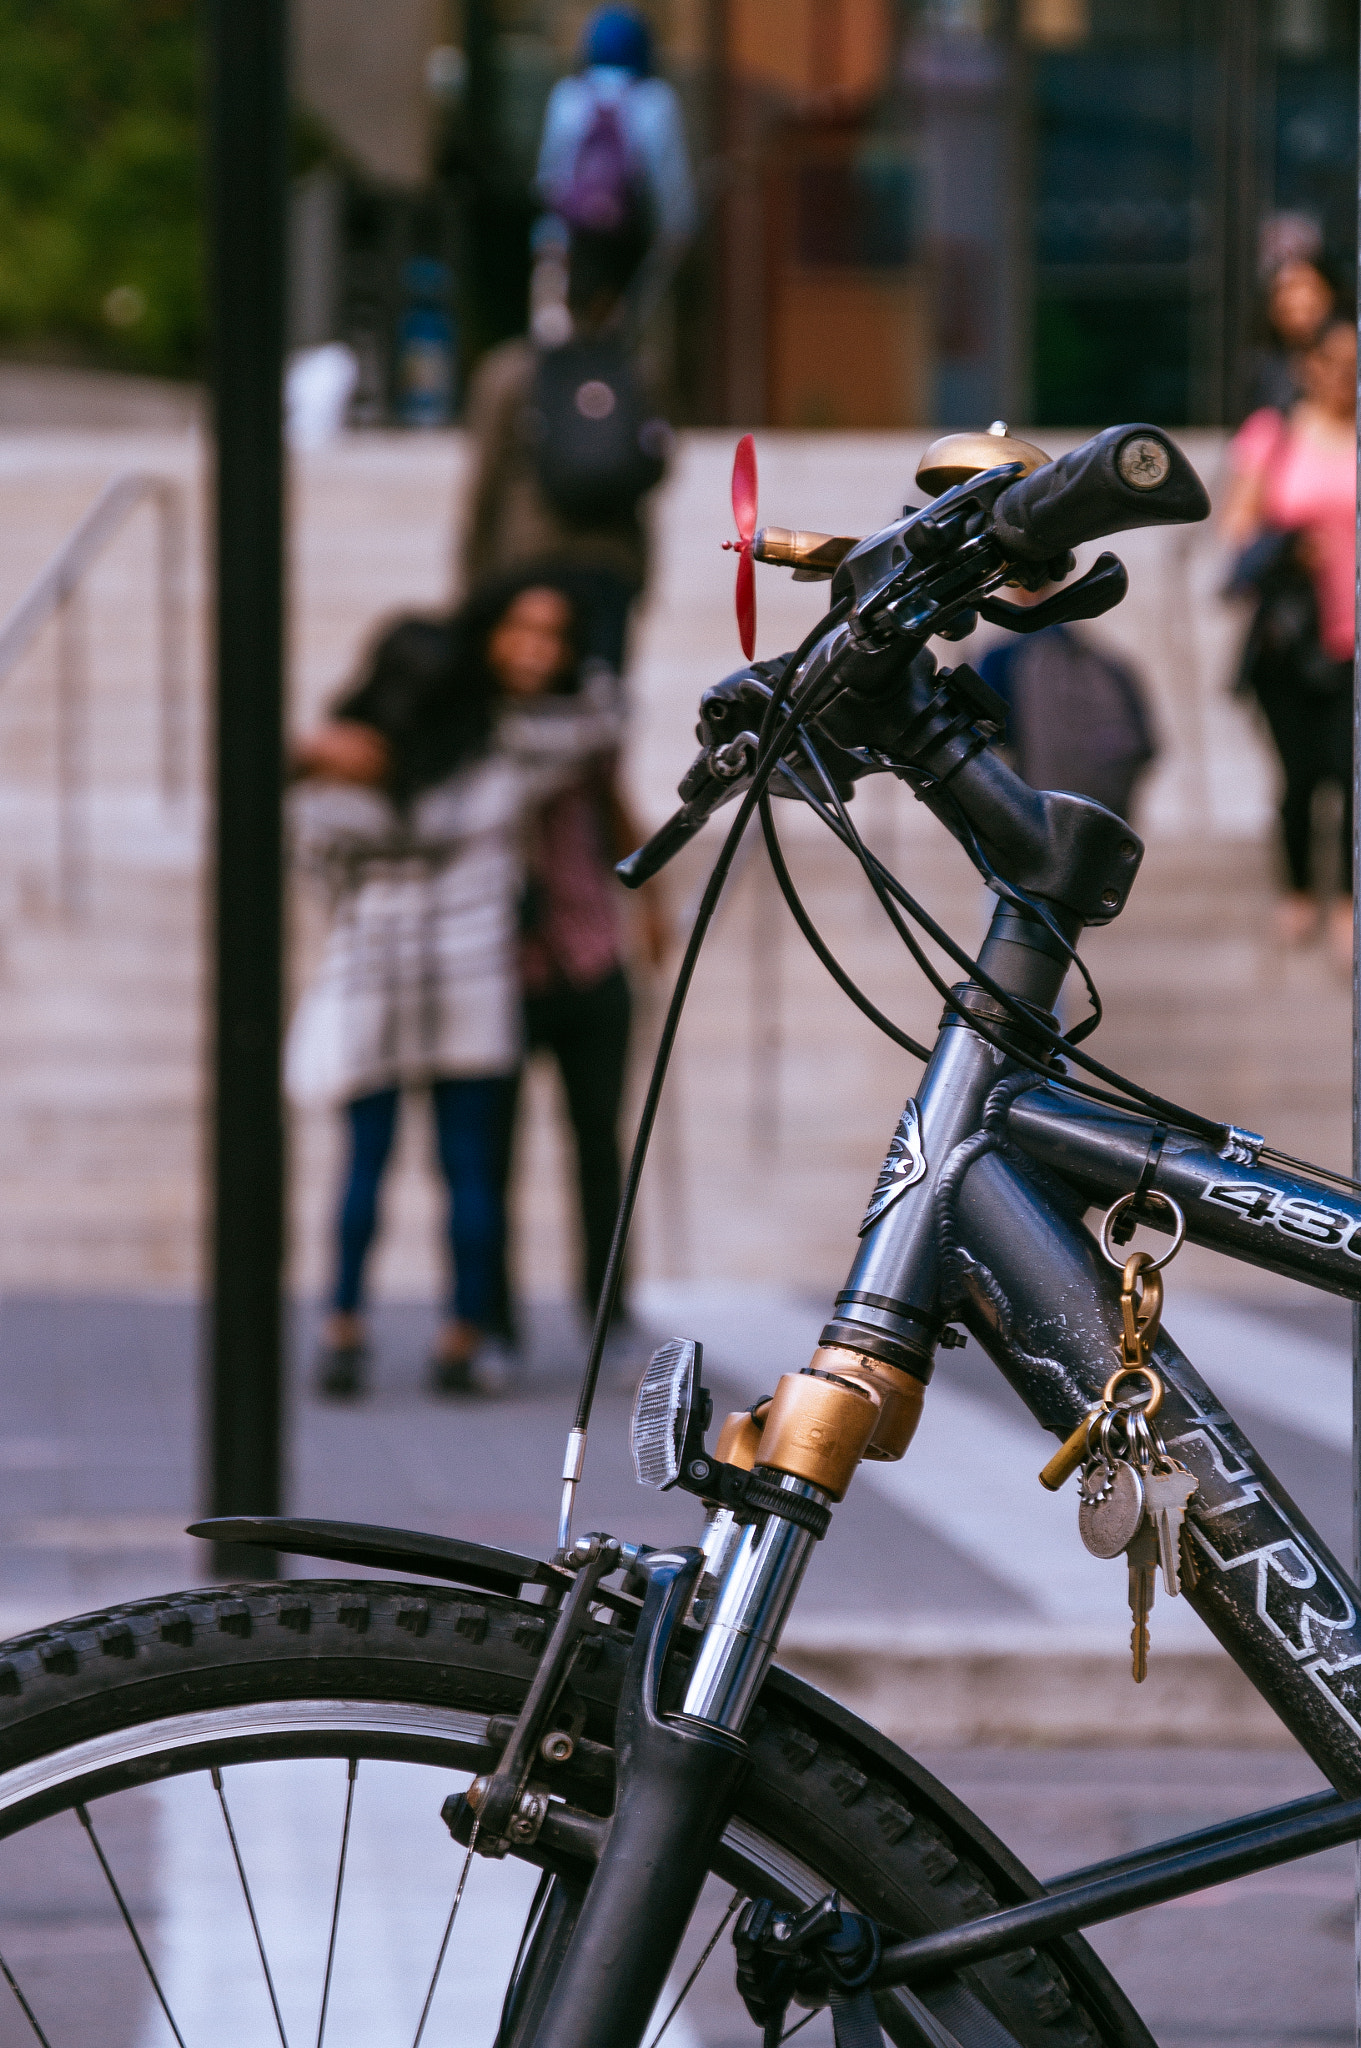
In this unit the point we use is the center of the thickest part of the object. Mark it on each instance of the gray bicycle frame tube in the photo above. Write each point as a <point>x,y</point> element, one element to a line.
<point>1266,1215</point>
<point>1031,1283</point>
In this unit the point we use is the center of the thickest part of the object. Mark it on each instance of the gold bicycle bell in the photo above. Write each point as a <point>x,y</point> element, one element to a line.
<point>956,458</point>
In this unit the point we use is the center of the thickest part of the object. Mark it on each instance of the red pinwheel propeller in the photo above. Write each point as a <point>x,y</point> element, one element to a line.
<point>744,512</point>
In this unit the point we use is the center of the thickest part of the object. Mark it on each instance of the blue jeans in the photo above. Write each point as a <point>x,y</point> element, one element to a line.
<point>470,1121</point>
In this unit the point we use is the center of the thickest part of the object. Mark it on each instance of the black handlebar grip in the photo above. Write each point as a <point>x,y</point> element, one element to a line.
<point>644,862</point>
<point>1124,477</point>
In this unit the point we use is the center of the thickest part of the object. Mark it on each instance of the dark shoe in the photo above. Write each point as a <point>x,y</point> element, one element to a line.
<point>341,1370</point>
<point>450,1375</point>
<point>488,1372</point>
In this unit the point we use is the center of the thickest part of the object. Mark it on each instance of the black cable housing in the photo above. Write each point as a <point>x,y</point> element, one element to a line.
<point>814,937</point>
<point>886,885</point>
<point>771,744</point>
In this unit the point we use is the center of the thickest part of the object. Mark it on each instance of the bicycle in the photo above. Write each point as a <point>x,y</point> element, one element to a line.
<point>604,1733</point>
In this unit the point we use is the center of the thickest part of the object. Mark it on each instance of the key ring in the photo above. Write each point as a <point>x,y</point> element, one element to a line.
<point>1143,1444</point>
<point>1118,1208</point>
<point>1154,1402</point>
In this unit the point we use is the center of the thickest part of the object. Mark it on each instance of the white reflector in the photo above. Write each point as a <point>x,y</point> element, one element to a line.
<point>661,1412</point>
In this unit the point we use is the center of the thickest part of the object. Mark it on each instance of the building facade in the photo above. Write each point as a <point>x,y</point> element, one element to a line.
<point>916,211</point>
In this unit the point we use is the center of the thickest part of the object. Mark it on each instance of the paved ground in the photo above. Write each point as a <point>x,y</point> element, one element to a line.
<point>96,1435</point>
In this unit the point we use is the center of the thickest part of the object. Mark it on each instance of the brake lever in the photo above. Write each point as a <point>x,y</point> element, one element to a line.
<point>1100,590</point>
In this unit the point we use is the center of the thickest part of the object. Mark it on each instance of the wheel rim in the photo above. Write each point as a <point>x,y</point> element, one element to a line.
<point>206,1982</point>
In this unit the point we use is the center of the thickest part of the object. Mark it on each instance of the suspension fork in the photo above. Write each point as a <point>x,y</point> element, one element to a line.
<point>678,1774</point>
<point>677,1780</point>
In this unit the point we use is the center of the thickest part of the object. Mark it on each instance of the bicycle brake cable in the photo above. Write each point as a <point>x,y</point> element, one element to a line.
<point>798,910</point>
<point>883,882</point>
<point>770,745</point>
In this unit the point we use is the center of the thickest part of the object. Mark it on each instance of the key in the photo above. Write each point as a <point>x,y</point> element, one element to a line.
<point>1166,1494</point>
<point>1143,1577</point>
<point>1190,1571</point>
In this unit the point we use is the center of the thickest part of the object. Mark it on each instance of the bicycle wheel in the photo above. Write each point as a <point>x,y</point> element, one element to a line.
<point>219,1822</point>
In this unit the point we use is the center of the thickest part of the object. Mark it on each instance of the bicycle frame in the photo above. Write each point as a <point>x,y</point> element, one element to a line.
<point>976,1218</point>
<point>983,1225</point>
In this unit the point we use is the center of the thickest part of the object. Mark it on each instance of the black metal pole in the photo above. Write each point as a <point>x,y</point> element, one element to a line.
<point>248,125</point>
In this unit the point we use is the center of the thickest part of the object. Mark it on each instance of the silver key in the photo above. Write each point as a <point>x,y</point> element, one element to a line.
<point>1166,1494</point>
<point>1111,1508</point>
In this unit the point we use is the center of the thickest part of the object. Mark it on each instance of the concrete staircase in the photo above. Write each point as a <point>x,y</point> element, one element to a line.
<point>783,1096</point>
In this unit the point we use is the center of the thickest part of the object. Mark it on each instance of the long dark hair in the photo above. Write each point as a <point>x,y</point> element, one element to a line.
<point>427,686</point>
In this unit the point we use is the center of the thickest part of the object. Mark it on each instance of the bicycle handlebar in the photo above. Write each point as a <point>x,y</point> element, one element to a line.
<point>717,775</point>
<point>1125,477</point>
<point>929,574</point>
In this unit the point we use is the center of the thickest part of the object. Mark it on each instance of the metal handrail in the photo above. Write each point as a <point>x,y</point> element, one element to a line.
<point>53,594</point>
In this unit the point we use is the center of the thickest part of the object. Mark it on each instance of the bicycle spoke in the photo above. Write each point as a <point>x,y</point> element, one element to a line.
<point>250,1903</point>
<point>24,2005</point>
<point>83,1816</point>
<point>448,1930</point>
<point>340,1886</point>
<point>709,1947</point>
<point>799,2025</point>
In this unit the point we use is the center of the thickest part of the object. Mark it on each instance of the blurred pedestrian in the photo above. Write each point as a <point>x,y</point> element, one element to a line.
<point>566,430</point>
<point>578,1003</point>
<point>1299,302</point>
<point>1291,511</point>
<point>565,446</point>
<point>1077,717</point>
<point>613,158</point>
<point>419,787</point>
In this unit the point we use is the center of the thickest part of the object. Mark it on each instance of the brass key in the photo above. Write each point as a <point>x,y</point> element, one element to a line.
<point>1143,1574</point>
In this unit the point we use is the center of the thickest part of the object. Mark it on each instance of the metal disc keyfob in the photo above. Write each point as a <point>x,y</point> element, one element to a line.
<point>1111,1508</point>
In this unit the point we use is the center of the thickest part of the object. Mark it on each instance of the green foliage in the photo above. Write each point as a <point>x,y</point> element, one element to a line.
<point>100,239</point>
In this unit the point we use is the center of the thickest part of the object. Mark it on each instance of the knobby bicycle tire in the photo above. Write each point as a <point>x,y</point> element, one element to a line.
<point>143,1690</point>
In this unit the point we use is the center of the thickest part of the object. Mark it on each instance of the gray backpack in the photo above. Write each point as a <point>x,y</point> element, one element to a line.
<point>1078,718</point>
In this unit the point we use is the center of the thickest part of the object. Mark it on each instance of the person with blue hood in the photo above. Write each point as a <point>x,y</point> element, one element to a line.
<point>613,158</point>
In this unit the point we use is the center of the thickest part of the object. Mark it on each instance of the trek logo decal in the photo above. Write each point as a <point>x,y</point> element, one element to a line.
<point>1242,1533</point>
<point>903,1168</point>
<point>1293,1215</point>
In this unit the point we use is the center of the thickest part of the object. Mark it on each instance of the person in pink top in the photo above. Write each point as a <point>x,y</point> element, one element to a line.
<point>1291,510</point>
